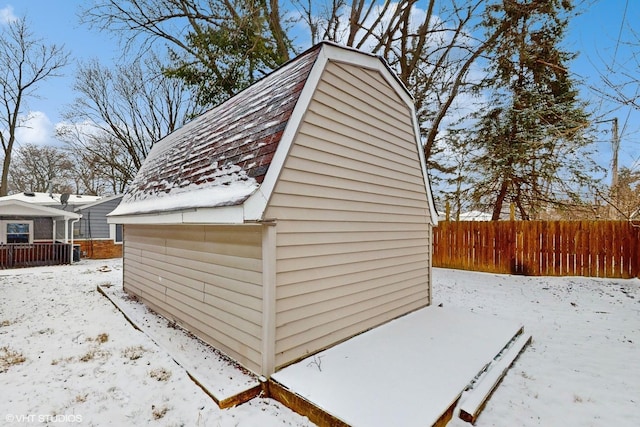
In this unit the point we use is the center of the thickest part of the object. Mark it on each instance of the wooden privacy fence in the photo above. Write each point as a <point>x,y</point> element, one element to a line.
<point>540,248</point>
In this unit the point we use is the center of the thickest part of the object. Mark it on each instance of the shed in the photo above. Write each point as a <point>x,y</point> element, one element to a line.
<point>289,218</point>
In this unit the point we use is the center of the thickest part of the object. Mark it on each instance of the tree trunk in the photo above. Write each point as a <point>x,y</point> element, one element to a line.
<point>278,33</point>
<point>4,183</point>
<point>502,194</point>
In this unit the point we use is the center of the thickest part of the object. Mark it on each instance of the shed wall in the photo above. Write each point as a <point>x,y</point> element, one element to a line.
<point>353,225</point>
<point>207,278</point>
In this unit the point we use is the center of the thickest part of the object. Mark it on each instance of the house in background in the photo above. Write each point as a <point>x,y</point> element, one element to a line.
<point>291,217</point>
<point>472,215</point>
<point>90,231</point>
<point>97,238</point>
<point>27,234</point>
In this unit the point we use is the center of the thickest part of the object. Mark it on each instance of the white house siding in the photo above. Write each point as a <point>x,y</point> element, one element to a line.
<point>207,278</point>
<point>353,226</point>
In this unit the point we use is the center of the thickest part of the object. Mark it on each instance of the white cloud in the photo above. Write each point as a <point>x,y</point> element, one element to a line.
<point>72,131</point>
<point>6,15</point>
<point>35,128</point>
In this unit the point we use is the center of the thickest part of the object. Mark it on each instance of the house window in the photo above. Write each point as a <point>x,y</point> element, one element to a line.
<point>115,233</point>
<point>18,232</point>
<point>118,233</point>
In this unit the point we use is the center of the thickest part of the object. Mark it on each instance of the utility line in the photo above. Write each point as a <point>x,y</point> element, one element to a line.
<point>624,18</point>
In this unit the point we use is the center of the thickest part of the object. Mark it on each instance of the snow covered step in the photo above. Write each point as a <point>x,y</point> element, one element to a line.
<point>475,399</point>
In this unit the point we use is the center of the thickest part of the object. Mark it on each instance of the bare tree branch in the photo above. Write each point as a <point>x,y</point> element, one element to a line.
<point>25,62</point>
<point>130,106</point>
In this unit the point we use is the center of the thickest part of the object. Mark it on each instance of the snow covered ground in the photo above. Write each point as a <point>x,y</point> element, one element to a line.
<point>85,364</point>
<point>68,356</point>
<point>583,366</point>
<point>407,372</point>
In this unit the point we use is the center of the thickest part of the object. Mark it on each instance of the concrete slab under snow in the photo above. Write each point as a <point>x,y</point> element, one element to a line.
<point>407,372</point>
<point>225,381</point>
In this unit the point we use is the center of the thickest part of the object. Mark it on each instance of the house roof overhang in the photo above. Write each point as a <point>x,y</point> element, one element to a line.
<point>49,199</point>
<point>29,210</point>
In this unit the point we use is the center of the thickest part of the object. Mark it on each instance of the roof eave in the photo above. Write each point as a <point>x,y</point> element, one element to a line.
<point>97,202</point>
<point>217,215</point>
<point>31,210</point>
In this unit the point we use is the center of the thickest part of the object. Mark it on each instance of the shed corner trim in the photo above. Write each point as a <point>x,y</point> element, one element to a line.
<point>256,204</point>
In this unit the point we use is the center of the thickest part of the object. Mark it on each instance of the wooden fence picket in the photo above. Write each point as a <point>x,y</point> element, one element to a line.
<point>553,248</point>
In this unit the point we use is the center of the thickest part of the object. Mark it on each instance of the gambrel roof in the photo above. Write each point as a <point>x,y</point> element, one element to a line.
<point>222,166</point>
<point>228,149</point>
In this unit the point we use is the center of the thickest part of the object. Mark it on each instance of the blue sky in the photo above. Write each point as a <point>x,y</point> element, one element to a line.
<point>594,35</point>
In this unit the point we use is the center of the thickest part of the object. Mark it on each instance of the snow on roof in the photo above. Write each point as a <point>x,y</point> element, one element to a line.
<point>98,202</point>
<point>14,207</point>
<point>221,157</point>
<point>51,198</point>
<point>475,216</point>
<point>469,216</point>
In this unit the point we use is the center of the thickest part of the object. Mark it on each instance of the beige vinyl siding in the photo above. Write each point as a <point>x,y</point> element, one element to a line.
<point>353,226</point>
<point>207,278</point>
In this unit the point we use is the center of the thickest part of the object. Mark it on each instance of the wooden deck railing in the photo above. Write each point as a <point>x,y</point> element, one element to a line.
<point>540,248</point>
<point>16,255</point>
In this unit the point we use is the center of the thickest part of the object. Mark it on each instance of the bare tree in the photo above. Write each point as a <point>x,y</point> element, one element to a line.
<point>620,82</point>
<point>622,201</point>
<point>131,107</point>
<point>25,61</point>
<point>217,46</point>
<point>436,48</point>
<point>40,168</point>
<point>432,51</point>
<point>325,20</point>
<point>148,21</point>
<point>628,193</point>
<point>101,165</point>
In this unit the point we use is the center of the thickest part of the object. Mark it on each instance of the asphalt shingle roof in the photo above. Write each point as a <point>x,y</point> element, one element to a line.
<point>230,145</point>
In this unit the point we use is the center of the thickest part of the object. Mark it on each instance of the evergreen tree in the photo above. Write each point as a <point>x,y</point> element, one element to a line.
<point>532,136</point>
<point>227,53</point>
<point>216,47</point>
